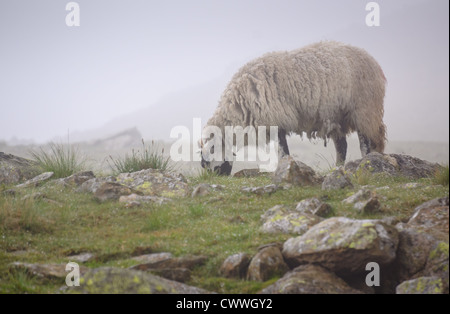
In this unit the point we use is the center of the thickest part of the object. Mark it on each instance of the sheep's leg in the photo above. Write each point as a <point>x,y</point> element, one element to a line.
<point>341,149</point>
<point>364,144</point>
<point>283,142</point>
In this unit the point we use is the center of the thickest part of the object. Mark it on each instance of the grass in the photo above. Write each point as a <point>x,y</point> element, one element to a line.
<point>62,160</point>
<point>217,225</point>
<point>442,176</point>
<point>150,157</point>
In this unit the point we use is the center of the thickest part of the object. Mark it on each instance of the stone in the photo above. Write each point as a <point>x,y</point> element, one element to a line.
<point>295,172</point>
<point>343,245</point>
<point>310,279</point>
<point>110,280</point>
<point>370,206</point>
<point>337,180</point>
<point>267,263</point>
<point>47,271</point>
<point>247,173</point>
<point>432,217</point>
<point>81,258</point>
<point>261,190</point>
<point>155,183</point>
<point>359,196</point>
<point>437,263</point>
<point>314,206</point>
<point>421,285</point>
<point>394,165</point>
<point>134,200</point>
<point>235,266</point>
<point>14,169</point>
<point>412,185</point>
<point>280,219</point>
<point>76,179</point>
<point>36,180</point>
<point>152,258</point>
<point>188,262</point>
<point>111,191</point>
<point>175,274</point>
<point>201,190</point>
<point>92,185</point>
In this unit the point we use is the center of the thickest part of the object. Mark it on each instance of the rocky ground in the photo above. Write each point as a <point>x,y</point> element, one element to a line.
<point>295,231</point>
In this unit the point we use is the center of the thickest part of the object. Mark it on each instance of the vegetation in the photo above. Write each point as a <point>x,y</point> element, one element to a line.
<point>62,160</point>
<point>150,157</point>
<point>442,176</point>
<point>47,230</point>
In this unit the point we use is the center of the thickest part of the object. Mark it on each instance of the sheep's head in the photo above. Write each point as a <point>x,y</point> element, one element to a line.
<point>214,162</point>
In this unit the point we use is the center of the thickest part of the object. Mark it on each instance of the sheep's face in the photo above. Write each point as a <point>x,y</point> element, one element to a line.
<point>212,162</point>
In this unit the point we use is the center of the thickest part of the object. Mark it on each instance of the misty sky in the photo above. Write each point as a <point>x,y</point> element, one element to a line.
<point>127,55</point>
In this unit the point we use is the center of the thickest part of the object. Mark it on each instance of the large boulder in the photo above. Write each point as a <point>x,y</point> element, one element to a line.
<point>14,169</point>
<point>343,245</point>
<point>235,266</point>
<point>310,279</point>
<point>421,285</point>
<point>394,165</point>
<point>295,172</point>
<point>336,180</point>
<point>36,181</point>
<point>267,263</point>
<point>314,206</point>
<point>126,281</point>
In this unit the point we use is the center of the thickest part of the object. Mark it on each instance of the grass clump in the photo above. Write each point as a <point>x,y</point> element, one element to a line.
<point>62,160</point>
<point>150,157</point>
<point>442,176</point>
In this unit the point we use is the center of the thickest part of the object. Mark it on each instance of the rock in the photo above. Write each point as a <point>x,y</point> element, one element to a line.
<point>266,264</point>
<point>34,196</point>
<point>14,169</point>
<point>92,185</point>
<point>413,250</point>
<point>295,172</point>
<point>152,258</point>
<point>337,180</point>
<point>134,200</point>
<point>81,258</point>
<point>155,183</point>
<point>422,285</point>
<point>188,262</point>
<point>47,271</point>
<point>394,165</point>
<point>247,173</point>
<point>76,179</point>
<point>437,263</point>
<point>280,219</point>
<point>412,185</point>
<point>125,281</point>
<point>111,191</point>
<point>370,206</point>
<point>359,196</point>
<point>235,266</point>
<point>432,217</point>
<point>36,180</point>
<point>261,190</point>
<point>343,245</point>
<point>201,190</point>
<point>175,274</point>
<point>313,206</point>
<point>310,279</point>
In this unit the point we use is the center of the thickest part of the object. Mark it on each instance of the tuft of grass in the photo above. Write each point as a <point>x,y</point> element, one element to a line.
<point>205,175</point>
<point>150,157</point>
<point>62,160</point>
<point>442,176</point>
<point>362,176</point>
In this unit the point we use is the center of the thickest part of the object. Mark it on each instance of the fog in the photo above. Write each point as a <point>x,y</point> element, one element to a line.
<point>156,64</point>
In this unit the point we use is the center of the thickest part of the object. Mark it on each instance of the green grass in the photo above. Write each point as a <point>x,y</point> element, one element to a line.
<point>62,160</point>
<point>442,176</point>
<point>217,225</point>
<point>149,157</point>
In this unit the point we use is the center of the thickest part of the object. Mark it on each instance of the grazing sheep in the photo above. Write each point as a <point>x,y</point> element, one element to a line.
<point>326,90</point>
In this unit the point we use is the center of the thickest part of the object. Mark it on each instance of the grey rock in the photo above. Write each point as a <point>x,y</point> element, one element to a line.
<point>313,206</point>
<point>47,271</point>
<point>247,173</point>
<point>201,190</point>
<point>125,281</point>
<point>279,219</point>
<point>14,169</point>
<point>337,180</point>
<point>421,285</point>
<point>111,191</point>
<point>343,245</point>
<point>266,264</point>
<point>81,258</point>
<point>310,279</point>
<point>92,185</point>
<point>36,180</point>
<point>235,266</point>
<point>133,200</point>
<point>295,172</point>
<point>369,206</point>
<point>152,258</point>
<point>359,196</point>
<point>188,262</point>
<point>76,179</point>
<point>261,190</point>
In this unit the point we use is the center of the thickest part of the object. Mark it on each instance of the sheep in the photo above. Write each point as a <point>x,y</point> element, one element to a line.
<point>326,90</point>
